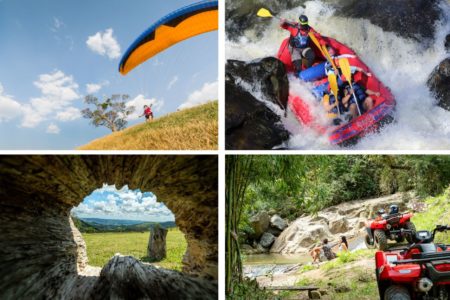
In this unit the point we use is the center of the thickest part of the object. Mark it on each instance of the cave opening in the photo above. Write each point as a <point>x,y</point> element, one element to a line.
<point>129,222</point>
<point>43,254</point>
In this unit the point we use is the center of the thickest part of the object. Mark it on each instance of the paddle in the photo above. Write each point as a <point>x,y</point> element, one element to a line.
<point>326,103</point>
<point>345,67</point>
<point>265,13</point>
<point>334,89</point>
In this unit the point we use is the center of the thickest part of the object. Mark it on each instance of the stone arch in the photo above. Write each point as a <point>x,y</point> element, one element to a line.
<point>39,254</point>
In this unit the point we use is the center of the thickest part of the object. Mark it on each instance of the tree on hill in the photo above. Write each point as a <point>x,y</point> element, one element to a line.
<point>111,113</point>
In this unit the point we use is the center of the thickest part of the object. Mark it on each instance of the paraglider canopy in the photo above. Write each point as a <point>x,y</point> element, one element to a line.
<point>177,26</point>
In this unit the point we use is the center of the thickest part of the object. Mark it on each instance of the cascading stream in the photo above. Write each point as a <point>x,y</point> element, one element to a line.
<point>402,64</point>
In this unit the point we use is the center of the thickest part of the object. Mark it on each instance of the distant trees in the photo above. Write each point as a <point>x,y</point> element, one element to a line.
<point>111,113</point>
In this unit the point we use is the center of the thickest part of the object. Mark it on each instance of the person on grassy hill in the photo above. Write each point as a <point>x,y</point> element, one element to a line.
<point>147,113</point>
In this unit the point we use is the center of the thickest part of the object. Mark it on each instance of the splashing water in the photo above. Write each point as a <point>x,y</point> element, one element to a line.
<point>401,64</point>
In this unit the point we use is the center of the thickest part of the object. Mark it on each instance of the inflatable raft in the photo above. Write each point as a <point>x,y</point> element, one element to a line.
<point>367,122</point>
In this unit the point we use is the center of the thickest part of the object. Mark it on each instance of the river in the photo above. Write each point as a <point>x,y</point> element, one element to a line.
<point>403,64</point>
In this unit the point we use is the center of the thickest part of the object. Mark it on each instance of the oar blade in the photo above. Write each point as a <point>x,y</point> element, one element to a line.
<point>264,13</point>
<point>345,67</point>
<point>333,84</point>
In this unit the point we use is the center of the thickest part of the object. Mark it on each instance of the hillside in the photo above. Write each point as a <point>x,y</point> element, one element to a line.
<point>91,225</point>
<point>190,129</point>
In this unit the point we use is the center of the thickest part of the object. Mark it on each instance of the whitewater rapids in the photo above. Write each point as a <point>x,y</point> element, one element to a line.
<point>400,63</point>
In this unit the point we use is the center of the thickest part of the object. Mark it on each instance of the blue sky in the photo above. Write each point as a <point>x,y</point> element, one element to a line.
<point>109,203</point>
<point>53,53</point>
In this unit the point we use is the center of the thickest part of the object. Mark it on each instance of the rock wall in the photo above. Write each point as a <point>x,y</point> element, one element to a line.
<point>347,219</point>
<point>43,256</point>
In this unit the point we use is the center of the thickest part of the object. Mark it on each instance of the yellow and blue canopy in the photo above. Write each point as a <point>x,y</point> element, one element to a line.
<point>177,26</point>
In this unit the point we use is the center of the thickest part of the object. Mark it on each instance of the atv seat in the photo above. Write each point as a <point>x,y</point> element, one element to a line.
<point>424,249</point>
<point>393,219</point>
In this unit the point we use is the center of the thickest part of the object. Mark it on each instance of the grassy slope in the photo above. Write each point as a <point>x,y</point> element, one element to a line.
<point>102,246</point>
<point>190,129</point>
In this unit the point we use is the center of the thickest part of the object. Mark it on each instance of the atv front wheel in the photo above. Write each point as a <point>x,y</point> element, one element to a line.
<point>410,226</point>
<point>368,244</point>
<point>380,240</point>
<point>396,292</point>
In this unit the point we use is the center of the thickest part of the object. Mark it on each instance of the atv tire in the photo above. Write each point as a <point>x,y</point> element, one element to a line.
<point>368,244</point>
<point>380,240</point>
<point>410,237</point>
<point>396,292</point>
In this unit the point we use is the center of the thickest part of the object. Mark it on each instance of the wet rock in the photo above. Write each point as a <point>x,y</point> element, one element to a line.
<point>439,83</point>
<point>447,43</point>
<point>246,247</point>
<point>156,250</point>
<point>274,231</point>
<point>267,76</point>
<point>412,19</point>
<point>249,124</point>
<point>260,223</point>
<point>277,222</point>
<point>267,240</point>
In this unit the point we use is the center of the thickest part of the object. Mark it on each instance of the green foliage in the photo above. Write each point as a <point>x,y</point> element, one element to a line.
<point>249,290</point>
<point>112,113</point>
<point>102,246</point>
<point>436,213</point>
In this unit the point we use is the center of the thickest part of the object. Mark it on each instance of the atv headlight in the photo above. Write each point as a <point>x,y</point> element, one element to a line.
<point>388,226</point>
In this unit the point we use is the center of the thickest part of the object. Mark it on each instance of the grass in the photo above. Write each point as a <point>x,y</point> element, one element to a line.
<point>189,129</point>
<point>102,246</point>
<point>437,212</point>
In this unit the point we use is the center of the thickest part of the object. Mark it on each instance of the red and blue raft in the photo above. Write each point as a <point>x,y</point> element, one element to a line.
<point>368,122</point>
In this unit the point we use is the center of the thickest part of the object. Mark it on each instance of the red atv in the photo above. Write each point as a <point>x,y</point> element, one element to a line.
<point>388,226</point>
<point>420,271</point>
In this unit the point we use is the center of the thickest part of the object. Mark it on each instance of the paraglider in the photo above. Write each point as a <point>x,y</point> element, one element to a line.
<point>177,26</point>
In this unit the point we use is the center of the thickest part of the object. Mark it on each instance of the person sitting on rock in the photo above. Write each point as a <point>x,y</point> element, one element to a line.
<point>327,252</point>
<point>299,42</point>
<point>343,246</point>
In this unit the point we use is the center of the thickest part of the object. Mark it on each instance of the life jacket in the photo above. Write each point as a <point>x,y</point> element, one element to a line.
<point>300,40</point>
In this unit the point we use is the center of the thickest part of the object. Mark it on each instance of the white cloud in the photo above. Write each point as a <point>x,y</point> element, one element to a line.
<point>58,92</point>
<point>9,108</point>
<point>53,129</point>
<point>172,82</point>
<point>208,92</point>
<point>92,88</point>
<point>139,101</point>
<point>110,201</point>
<point>70,114</point>
<point>104,43</point>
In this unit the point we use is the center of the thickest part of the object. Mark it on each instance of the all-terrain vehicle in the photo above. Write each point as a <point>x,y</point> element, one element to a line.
<point>388,226</point>
<point>420,271</point>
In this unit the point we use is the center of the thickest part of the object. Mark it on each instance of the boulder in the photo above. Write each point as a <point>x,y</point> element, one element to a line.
<point>439,83</point>
<point>315,295</point>
<point>447,43</point>
<point>277,222</point>
<point>266,76</point>
<point>249,123</point>
<point>339,225</point>
<point>156,250</point>
<point>260,223</point>
<point>267,240</point>
<point>274,231</point>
